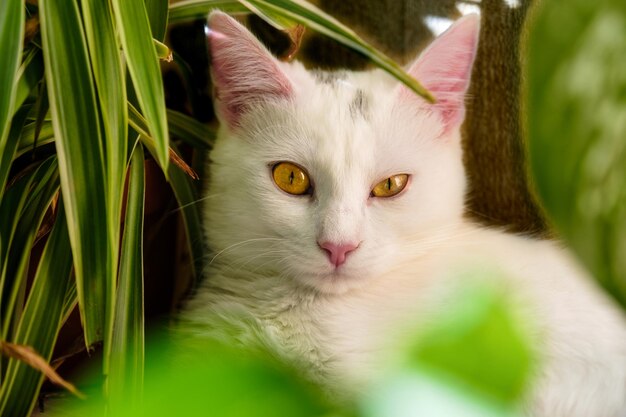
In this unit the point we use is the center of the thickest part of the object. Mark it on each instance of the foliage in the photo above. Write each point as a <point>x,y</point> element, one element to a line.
<point>81,98</point>
<point>576,95</point>
<point>82,92</point>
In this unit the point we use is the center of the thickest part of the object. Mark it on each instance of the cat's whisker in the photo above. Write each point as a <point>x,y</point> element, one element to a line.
<point>191,203</point>
<point>238,244</point>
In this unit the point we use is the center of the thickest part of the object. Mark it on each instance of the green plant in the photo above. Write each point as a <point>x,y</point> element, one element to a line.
<point>81,98</point>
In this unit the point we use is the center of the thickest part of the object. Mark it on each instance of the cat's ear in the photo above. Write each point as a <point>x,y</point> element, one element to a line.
<point>445,68</point>
<point>244,71</point>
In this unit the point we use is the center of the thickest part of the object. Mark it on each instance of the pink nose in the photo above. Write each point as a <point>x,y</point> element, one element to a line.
<point>337,252</point>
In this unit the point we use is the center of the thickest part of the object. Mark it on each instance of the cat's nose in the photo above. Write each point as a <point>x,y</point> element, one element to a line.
<point>337,253</point>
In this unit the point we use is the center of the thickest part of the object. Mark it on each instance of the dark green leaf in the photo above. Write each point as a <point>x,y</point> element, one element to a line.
<point>125,382</point>
<point>40,322</point>
<point>11,35</point>
<point>142,61</point>
<point>76,122</point>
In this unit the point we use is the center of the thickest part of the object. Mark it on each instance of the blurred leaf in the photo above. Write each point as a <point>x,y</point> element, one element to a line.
<point>76,122</point>
<point>575,101</point>
<point>480,329</point>
<point>199,9</point>
<point>143,65</point>
<point>11,36</point>
<point>23,211</point>
<point>125,381</point>
<point>40,322</point>
<point>203,377</point>
<point>474,360</point>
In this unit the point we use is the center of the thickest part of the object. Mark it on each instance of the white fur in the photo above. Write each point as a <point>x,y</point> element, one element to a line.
<point>267,275</point>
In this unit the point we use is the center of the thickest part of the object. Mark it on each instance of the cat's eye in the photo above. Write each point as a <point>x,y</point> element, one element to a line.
<point>291,178</point>
<point>390,186</point>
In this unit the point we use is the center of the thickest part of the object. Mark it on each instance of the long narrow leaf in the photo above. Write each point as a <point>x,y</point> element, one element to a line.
<point>125,381</point>
<point>158,11</point>
<point>76,123</point>
<point>11,144</point>
<point>29,75</point>
<point>142,61</point>
<point>41,186</point>
<point>11,35</point>
<point>193,9</point>
<point>306,14</point>
<point>40,322</point>
<point>280,11</point>
<point>109,74</point>
<point>190,130</point>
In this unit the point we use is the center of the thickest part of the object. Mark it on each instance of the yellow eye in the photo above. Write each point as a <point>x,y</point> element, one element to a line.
<point>291,178</point>
<point>390,186</point>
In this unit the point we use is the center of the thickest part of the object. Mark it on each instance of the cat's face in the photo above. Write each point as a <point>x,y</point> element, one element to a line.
<point>331,179</point>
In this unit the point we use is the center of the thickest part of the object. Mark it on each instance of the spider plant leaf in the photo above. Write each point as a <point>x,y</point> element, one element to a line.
<point>310,16</point>
<point>199,9</point>
<point>11,144</point>
<point>158,11</point>
<point>11,35</point>
<point>33,196</point>
<point>186,194</point>
<point>79,144</point>
<point>40,321</point>
<point>125,381</point>
<point>109,75</point>
<point>190,130</point>
<point>142,61</point>
<point>30,74</point>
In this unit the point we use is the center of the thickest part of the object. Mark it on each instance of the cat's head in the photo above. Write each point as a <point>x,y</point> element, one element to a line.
<point>332,179</point>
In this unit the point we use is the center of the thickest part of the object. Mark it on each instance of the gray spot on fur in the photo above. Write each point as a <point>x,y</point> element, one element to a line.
<point>359,105</point>
<point>328,77</point>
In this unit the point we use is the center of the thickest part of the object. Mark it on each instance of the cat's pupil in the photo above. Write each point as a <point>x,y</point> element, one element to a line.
<point>389,183</point>
<point>291,177</point>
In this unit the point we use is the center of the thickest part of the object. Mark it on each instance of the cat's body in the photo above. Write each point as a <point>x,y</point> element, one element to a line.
<point>328,277</point>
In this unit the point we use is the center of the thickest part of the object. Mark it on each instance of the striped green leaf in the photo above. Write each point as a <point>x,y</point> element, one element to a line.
<point>158,11</point>
<point>11,35</point>
<point>11,144</point>
<point>186,193</point>
<point>284,12</point>
<point>136,38</point>
<point>79,145</point>
<point>30,74</point>
<point>190,130</point>
<point>197,9</point>
<point>24,210</point>
<point>125,381</point>
<point>40,322</point>
<point>308,15</point>
<point>109,75</point>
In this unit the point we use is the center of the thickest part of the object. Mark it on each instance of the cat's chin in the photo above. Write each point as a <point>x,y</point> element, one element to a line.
<point>338,281</point>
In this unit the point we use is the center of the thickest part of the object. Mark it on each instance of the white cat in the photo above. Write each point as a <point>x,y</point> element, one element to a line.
<point>335,212</point>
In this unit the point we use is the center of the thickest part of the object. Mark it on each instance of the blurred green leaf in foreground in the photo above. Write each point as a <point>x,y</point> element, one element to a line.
<point>576,122</point>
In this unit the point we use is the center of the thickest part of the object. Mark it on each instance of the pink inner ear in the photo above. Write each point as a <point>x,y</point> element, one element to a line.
<point>445,67</point>
<point>243,71</point>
